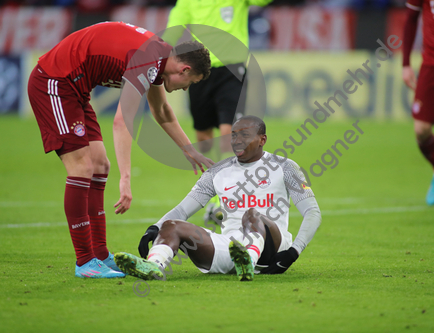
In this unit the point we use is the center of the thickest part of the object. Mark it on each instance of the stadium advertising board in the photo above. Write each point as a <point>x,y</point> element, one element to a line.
<point>296,80</point>
<point>151,18</point>
<point>10,83</point>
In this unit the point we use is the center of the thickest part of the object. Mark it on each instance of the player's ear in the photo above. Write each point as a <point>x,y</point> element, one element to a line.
<point>263,140</point>
<point>186,69</point>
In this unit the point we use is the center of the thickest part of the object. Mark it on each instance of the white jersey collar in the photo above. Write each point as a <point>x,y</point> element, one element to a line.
<point>248,165</point>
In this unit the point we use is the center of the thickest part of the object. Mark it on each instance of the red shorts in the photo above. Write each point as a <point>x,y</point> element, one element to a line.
<point>423,106</point>
<point>67,121</point>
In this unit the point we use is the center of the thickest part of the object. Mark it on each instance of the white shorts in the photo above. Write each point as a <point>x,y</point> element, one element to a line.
<point>222,262</point>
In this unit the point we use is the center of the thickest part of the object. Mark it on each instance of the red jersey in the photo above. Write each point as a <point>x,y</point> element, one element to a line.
<point>104,53</point>
<point>428,27</point>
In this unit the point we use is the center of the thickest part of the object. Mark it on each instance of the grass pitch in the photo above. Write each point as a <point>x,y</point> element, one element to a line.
<point>369,268</point>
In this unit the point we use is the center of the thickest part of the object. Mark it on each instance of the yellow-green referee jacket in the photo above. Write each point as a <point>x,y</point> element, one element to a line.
<point>228,15</point>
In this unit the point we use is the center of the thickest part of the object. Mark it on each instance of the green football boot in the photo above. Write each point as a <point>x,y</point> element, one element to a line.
<point>242,261</point>
<point>138,267</point>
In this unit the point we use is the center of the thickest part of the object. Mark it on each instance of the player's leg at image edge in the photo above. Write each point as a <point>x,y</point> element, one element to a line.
<point>138,267</point>
<point>430,194</point>
<point>425,140</point>
<point>242,261</point>
<point>427,148</point>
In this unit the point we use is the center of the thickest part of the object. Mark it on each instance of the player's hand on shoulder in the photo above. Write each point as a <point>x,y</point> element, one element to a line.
<point>126,197</point>
<point>149,236</point>
<point>409,77</point>
<point>197,159</point>
<point>281,261</point>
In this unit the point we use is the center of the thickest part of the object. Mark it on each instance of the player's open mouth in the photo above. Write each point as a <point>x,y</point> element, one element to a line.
<point>238,152</point>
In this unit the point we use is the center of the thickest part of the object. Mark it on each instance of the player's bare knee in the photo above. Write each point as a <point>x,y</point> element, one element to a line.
<point>106,166</point>
<point>173,230</point>
<point>422,135</point>
<point>101,165</point>
<point>168,225</point>
<point>84,167</point>
<point>251,215</point>
<point>250,218</point>
<point>423,130</point>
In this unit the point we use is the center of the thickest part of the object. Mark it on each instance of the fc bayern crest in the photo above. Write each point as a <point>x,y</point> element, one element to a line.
<point>264,183</point>
<point>416,106</point>
<point>227,14</point>
<point>79,130</point>
<point>152,74</point>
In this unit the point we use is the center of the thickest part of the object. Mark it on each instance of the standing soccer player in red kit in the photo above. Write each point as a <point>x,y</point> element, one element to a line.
<point>109,54</point>
<point>423,106</point>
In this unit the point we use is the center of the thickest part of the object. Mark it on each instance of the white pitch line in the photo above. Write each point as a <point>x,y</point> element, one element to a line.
<point>142,203</point>
<point>365,211</point>
<point>16,204</point>
<point>380,210</point>
<point>65,224</point>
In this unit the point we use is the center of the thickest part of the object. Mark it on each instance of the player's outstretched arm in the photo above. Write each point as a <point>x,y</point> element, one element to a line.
<point>311,220</point>
<point>309,209</point>
<point>164,115</point>
<point>129,102</point>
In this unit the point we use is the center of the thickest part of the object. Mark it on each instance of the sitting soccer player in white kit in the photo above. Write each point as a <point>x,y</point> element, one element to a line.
<point>255,189</point>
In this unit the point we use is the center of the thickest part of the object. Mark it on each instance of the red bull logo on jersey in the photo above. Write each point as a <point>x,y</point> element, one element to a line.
<point>264,183</point>
<point>249,201</point>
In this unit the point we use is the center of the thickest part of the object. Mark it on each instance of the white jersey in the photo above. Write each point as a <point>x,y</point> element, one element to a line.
<point>268,185</point>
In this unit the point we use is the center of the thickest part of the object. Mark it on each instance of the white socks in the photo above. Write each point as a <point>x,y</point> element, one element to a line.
<point>254,244</point>
<point>161,254</point>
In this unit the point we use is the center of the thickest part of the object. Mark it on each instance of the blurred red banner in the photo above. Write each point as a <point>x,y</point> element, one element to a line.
<point>152,18</point>
<point>29,28</point>
<point>311,28</point>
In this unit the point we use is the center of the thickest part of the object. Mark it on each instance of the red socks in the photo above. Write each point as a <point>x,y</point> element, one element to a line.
<point>97,215</point>
<point>76,203</point>
<point>427,149</point>
<point>84,209</point>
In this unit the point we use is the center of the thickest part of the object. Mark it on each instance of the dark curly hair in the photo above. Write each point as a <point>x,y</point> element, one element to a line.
<point>195,55</point>
<point>258,122</point>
